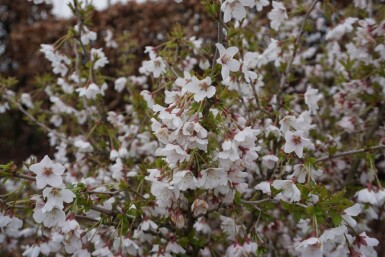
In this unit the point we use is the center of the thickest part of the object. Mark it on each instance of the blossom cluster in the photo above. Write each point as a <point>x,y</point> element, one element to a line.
<point>264,142</point>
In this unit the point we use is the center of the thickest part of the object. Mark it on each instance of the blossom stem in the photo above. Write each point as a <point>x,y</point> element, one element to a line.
<point>342,154</point>
<point>316,225</point>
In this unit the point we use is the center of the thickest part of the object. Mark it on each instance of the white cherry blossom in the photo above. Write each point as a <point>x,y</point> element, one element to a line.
<point>370,196</point>
<point>120,84</point>
<point>86,36</point>
<point>231,229</point>
<point>54,217</point>
<point>212,178</point>
<point>34,250</point>
<point>199,207</point>
<point>26,99</point>
<point>174,247</point>
<point>129,246</point>
<point>310,247</point>
<point>47,173</point>
<point>173,153</point>
<point>83,146</point>
<point>201,226</point>
<point>249,62</point>
<point>277,15</point>
<point>98,58</point>
<point>56,196</point>
<point>349,213</point>
<point>296,142</point>
<point>58,61</point>
<point>184,180</point>
<point>201,88</point>
<point>90,92</point>
<point>235,8</point>
<point>148,224</point>
<point>265,187</point>
<point>341,29</point>
<point>290,191</point>
<point>312,98</point>
<point>155,65</point>
<point>4,220</point>
<point>269,161</point>
<point>301,172</point>
<point>259,4</point>
<point>226,59</point>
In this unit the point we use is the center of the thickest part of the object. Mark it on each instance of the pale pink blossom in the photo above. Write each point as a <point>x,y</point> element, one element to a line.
<point>290,191</point>
<point>311,99</point>
<point>296,142</point>
<point>277,15</point>
<point>226,59</point>
<point>235,9</point>
<point>201,88</point>
<point>56,196</point>
<point>47,173</point>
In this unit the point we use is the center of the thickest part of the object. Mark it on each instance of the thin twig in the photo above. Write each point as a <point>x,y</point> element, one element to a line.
<point>33,119</point>
<point>220,37</point>
<point>257,202</point>
<point>86,218</point>
<point>270,199</point>
<point>297,45</point>
<point>18,105</point>
<point>11,206</point>
<point>117,192</point>
<point>103,193</point>
<point>342,154</point>
<point>259,107</point>
<point>102,209</point>
<point>80,28</point>
<point>18,175</point>
<point>23,176</point>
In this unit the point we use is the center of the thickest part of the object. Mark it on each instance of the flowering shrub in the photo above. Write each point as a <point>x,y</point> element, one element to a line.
<point>267,142</point>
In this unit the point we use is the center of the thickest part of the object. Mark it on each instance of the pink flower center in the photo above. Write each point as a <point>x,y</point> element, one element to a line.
<point>47,171</point>
<point>296,140</point>
<point>204,86</point>
<point>225,59</point>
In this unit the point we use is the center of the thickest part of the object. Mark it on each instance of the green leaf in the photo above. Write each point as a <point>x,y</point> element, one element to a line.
<point>4,180</point>
<point>336,219</point>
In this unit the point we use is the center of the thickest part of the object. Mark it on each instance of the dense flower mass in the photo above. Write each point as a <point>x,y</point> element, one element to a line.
<point>267,140</point>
